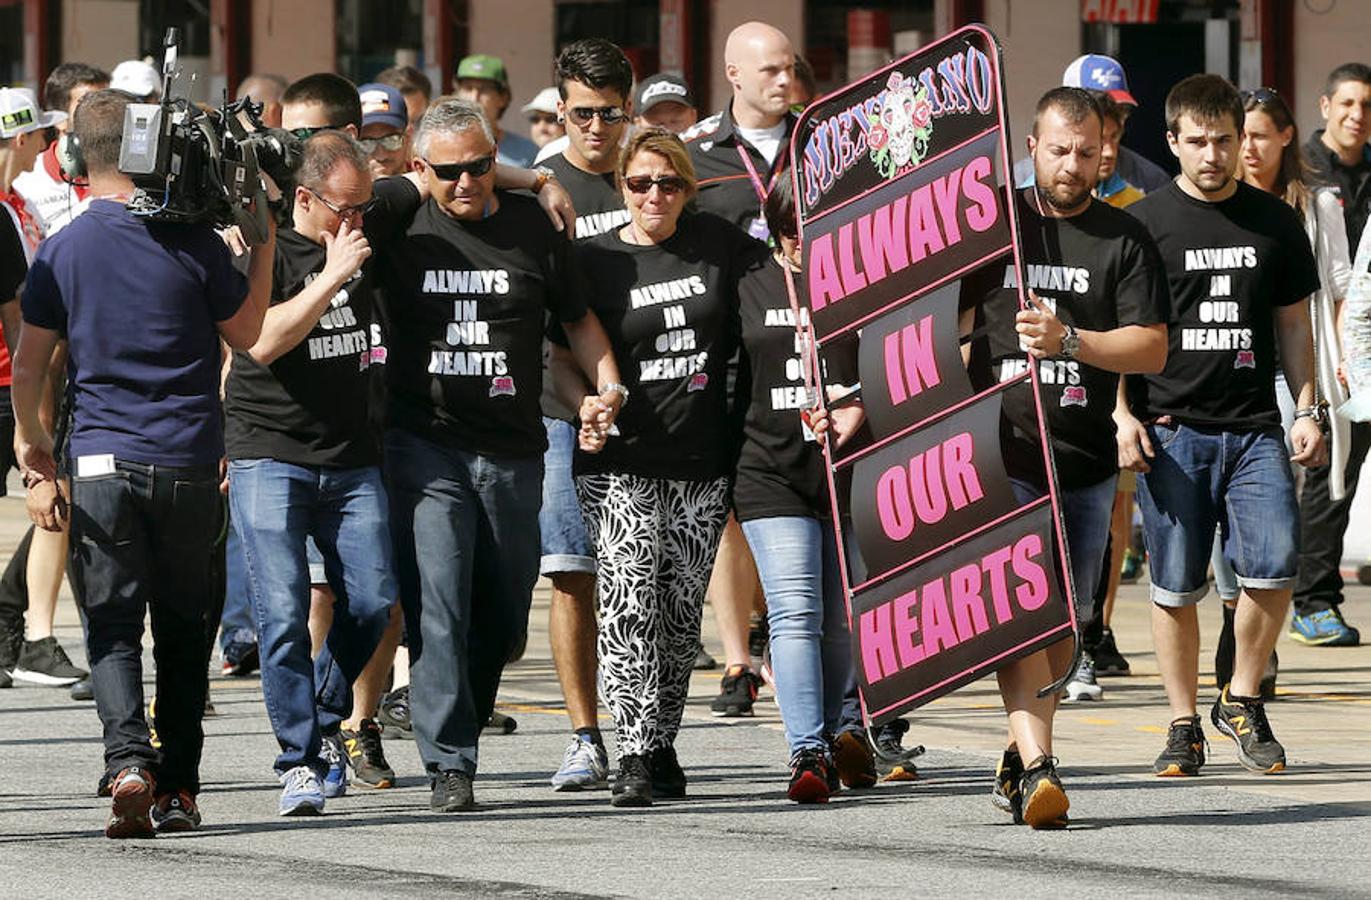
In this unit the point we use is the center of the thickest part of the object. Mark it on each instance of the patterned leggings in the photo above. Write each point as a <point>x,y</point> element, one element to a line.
<point>655,541</point>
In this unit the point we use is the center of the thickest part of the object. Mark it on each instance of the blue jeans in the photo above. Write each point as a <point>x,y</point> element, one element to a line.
<point>1085,520</point>
<point>811,647</point>
<point>1238,481</point>
<point>236,626</point>
<point>566,545</point>
<point>467,549</point>
<point>275,505</point>
<point>142,540</point>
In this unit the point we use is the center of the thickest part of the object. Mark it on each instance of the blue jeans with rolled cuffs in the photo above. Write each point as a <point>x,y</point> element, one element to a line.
<point>811,647</point>
<point>565,542</point>
<point>1238,481</point>
<point>275,505</point>
<point>465,527</point>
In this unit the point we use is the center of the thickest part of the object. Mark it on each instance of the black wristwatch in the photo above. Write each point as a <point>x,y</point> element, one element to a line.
<point>1317,412</point>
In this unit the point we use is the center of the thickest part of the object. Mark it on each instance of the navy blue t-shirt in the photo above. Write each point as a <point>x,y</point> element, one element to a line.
<point>138,303</point>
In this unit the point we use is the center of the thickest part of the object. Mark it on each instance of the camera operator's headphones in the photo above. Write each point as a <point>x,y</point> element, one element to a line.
<point>69,157</point>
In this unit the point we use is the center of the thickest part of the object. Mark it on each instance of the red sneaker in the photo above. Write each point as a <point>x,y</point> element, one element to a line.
<point>132,790</point>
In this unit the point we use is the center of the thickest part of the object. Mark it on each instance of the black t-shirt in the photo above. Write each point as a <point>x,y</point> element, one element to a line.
<point>599,209</point>
<point>311,405</point>
<point>1099,270</point>
<point>1229,265</point>
<point>14,265</point>
<point>780,467</point>
<point>465,305</point>
<point>671,313</point>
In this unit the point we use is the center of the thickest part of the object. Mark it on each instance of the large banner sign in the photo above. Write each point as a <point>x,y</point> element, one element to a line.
<point>902,183</point>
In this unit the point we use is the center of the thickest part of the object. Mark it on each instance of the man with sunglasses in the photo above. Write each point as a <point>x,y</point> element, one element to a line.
<point>385,130</point>
<point>468,290</point>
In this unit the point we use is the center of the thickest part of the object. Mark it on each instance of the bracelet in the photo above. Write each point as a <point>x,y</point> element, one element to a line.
<point>1315,412</point>
<point>616,388</point>
<point>543,174</point>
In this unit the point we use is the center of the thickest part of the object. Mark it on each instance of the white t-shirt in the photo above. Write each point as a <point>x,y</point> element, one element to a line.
<point>766,140</point>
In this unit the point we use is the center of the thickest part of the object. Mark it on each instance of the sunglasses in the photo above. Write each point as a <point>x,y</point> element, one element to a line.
<point>390,143</point>
<point>543,118</point>
<point>610,115</point>
<point>304,134</point>
<point>668,184</point>
<point>1260,95</point>
<point>344,212</point>
<point>454,171</point>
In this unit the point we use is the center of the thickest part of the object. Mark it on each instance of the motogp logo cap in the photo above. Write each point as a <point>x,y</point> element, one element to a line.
<point>1095,72</point>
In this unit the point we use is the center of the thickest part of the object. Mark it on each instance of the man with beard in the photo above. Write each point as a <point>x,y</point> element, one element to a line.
<point>1211,453</point>
<point>1096,307</point>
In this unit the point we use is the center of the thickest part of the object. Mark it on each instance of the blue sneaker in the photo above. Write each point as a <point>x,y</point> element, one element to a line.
<point>1324,628</point>
<point>301,794</point>
<point>585,766</point>
<point>336,778</point>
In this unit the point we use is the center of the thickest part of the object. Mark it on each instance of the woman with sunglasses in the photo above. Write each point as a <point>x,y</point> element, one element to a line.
<point>1273,161</point>
<point>656,496</point>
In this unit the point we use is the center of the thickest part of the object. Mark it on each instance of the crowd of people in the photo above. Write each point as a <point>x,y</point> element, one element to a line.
<point>465,359</point>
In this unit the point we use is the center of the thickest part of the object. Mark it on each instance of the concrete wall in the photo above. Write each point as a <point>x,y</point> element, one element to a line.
<point>293,38</point>
<point>521,33</point>
<point>787,15</point>
<point>102,33</point>
<point>1322,42</point>
<point>1039,40</point>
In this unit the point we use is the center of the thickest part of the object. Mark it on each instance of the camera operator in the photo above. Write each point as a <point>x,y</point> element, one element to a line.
<point>146,442</point>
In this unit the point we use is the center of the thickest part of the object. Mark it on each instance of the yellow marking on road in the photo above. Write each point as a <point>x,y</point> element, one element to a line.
<point>1091,720</point>
<point>1151,729</point>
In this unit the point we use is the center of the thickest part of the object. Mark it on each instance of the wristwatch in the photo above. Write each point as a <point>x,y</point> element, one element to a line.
<point>616,388</point>
<point>1071,342</point>
<point>1317,412</point>
<point>544,175</point>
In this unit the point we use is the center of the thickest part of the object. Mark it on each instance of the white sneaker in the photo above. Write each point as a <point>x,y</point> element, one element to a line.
<point>585,766</point>
<point>1083,685</point>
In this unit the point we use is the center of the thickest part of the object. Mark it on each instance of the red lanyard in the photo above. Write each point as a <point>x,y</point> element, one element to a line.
<point>762,190</point>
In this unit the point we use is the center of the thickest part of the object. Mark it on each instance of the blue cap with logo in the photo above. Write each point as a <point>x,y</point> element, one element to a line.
<point>383,105</point>
<point>1096,72</point>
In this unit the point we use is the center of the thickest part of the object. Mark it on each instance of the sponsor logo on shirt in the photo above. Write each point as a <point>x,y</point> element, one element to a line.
<point>502,386</point>
<point>1245,359</point>
<point>1073,396</point>
<point>698,382</point>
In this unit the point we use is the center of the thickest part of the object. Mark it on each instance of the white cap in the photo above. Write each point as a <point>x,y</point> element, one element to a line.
<point>545,102</point>
<point>133,76</point>
<point>19,113</point>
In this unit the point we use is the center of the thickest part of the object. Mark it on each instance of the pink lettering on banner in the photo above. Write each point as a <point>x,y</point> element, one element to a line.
<point>1033,592</point>
<point>999,590</point>
<point>968,609</point>
<point>911,365</point>
<point>907,629</point>
<point>921,491</point>
<point>878,643</point>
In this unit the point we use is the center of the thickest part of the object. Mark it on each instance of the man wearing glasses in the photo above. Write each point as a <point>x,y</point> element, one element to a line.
<point>468,289</point>
<point>385,130</point>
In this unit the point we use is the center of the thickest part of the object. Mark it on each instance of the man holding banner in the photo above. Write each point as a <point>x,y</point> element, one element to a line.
<point>1097,307</point>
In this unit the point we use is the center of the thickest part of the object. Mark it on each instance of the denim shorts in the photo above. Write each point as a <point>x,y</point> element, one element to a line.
<point>566,545</point>
<point>1237,481</point>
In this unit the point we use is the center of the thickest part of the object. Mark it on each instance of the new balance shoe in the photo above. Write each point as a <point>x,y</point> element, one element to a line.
<point>853,759</point>
<point>1005,794</point>
<point>335,757</point>
<point>1044,799</point>
<point>1184,753</point>
<point>175,812</point>
<point>1324,628</point>
<point>365,755</point>
<point>667,776</point>
<point>452,792</point>
<point>393,715</point>
<point>1244,720</point>
<point>585,766</point>
<point>810,779</point>
<point>632,783</point>
<point>45,662</point>
<point>130,810</point>
<point>737,693</point>
<point>894,761</point>
<point>1083,685</point>
<point>1108,660</point>
<point>301,793</point>
<point>241,659</point>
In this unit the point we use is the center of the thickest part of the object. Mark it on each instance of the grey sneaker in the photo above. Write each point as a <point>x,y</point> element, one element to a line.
<point>585,766</point>
<point>45,662</point>
<point>1083,685</point>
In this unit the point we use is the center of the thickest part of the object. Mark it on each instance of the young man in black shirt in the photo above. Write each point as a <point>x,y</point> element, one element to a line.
<point>1097,307</point>
<point>1211,452</point>
<point>468,290</point>
<point>594,80</point>
<point>1341,159</point>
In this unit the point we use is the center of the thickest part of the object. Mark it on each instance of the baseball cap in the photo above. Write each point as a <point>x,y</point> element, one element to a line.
<point>133,76</point>
<point>484,66</point>
<point>383,105</point>
<point>661,88</point>
<point>19,113</point>
<point>1099,73</point>
<point>545,102</point>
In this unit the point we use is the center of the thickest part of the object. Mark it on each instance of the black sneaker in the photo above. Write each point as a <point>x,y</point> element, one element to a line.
<point>11,642</point>
<point>103,787</point>
<point>853,759</point>
<point>1044,799</point>
<point>668,778</point>
<point>175,812</point>
<point>737,693</point>
<point>500,723</point>
<point>758,637</point>
<point>5,680</point>
<point>1244,720</point>
<point>1005,794</point>
<point>894,761</point>
<point>393,715</point>
<point>366,757</point>
<point>83,690</point>
<point>1184,753</point>
<point>241,659</point>
<point>703,661</point>
<point>632,784</point>
<point>810,778</point>
<point>1108,659</point>
<point>452,792</point>
<point>45,662</point>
